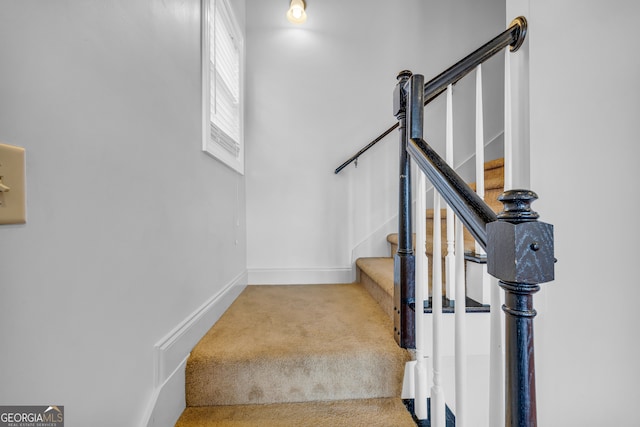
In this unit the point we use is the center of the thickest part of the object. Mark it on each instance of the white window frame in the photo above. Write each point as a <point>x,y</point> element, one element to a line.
<point>209,144</point>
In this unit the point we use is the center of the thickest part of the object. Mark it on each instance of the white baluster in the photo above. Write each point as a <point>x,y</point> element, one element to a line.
<point>480,184</point>
<point>460,330</point>
<point>450,258</point>
<point>422,293</point>
<point>437,392</point>
<point>479,143</point>
<point>508,127</point>
<point>496,364</point>
<point>496,359</point>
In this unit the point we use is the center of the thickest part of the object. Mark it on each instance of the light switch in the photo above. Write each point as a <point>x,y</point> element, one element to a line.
<point>12,188</point>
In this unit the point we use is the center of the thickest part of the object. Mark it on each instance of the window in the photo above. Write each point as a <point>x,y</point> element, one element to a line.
<point>222,69</point>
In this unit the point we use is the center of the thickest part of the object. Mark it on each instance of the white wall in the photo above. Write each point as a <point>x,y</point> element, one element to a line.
<point>320,91</point>
<point>130,226</point>
<point>584,134</point>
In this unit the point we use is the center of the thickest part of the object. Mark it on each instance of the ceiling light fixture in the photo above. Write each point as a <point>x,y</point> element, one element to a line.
<point>296,13</point>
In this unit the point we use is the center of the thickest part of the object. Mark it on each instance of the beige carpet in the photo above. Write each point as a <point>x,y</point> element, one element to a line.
<point>386,412</point>
<point>284,344</point>
<point>376,275</point>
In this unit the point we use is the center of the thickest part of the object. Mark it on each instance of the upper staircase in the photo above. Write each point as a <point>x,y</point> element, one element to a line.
<point>312,355</point>
<point>377,273</point>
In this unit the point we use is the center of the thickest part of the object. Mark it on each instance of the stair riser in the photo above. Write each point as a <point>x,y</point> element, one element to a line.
<point>282,344</point>
<point>380,295</point>
<point>469,245</point>
<point>312,378</point>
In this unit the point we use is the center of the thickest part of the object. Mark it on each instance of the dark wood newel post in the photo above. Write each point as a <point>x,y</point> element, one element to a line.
<point>520,254</point>
<point>404,261</point>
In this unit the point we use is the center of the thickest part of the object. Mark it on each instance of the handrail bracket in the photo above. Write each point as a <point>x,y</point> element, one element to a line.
<point>520,25</point>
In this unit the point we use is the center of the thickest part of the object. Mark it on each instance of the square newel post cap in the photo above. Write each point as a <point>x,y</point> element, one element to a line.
<point>399,95</point>
<point>520,248</point>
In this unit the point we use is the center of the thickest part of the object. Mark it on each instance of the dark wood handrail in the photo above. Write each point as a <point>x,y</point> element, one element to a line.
<point>366,147</point>
<point>470,208</point>
<point>513,36</point>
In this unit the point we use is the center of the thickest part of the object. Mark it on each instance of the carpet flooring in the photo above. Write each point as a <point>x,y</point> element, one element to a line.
<point>384,412</point>
<point>284,354</point>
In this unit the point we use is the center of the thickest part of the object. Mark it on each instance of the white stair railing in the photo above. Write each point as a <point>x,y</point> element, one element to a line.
<point>460,329</point>
<point>422,294</point>
<point>496,359</point>
<point>456,280</point>
<point>455,287</point>
<point>477,215</point>
<point>450,257</point>
<point>508,123</point>
<point>480,220</point>
<point>479,142</point>
<point>437,391</point>
<point>489,283</point>
<point>496,344</point>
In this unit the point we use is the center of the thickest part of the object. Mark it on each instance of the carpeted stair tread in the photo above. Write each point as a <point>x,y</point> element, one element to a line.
<point>392,239</point>
<point>494,183</point>
<point>491,197</point>
<point>292,343</point>
<point>469,242</point>
<point>494,164</point>
<point>384,412</point>
<point>491,183</point>
<point>379,269</point>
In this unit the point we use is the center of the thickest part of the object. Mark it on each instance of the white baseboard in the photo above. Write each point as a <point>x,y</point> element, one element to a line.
<point>168,400</point>
<point>171,352</point>
<point>300,276</point>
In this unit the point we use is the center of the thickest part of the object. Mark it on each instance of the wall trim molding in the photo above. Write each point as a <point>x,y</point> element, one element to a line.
<point>301,276</point>
<point>168,400</point>
<point>171,353</point>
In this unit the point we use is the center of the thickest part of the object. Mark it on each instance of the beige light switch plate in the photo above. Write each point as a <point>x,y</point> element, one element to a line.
<point>12,188</point>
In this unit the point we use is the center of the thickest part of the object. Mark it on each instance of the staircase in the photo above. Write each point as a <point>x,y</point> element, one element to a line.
<point>494,187</point>
<point>312,355</point>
